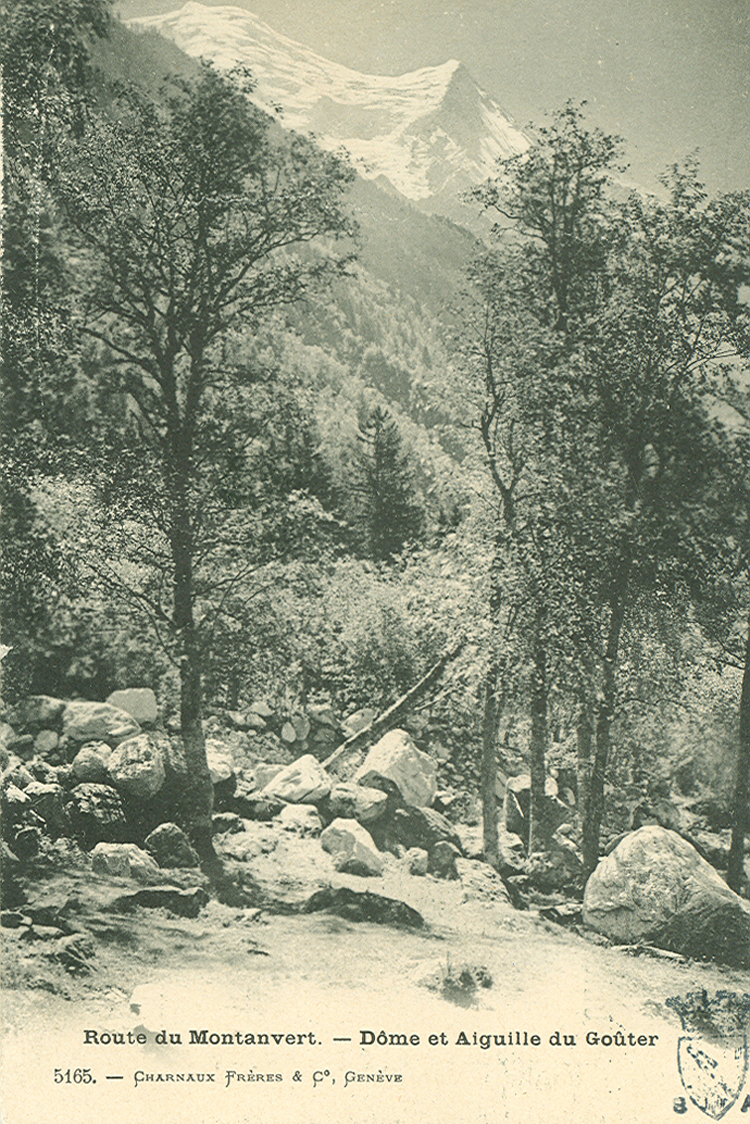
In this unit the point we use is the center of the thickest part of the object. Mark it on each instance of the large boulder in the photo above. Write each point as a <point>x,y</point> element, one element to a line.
<point>352,847</point>
<point>123,860</point>
<point>655,887</point>
<point>97,721</point>
<point>220,762</point>
<point>96,815</point>
<point>395,763</point>
<point>356,802</point>
<point>305,781</point>
<point>137,766</point>
<point>139,702</point>
<point>169,846</point>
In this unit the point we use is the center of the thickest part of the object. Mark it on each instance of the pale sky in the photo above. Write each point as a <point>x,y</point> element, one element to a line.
<point>671,76</point>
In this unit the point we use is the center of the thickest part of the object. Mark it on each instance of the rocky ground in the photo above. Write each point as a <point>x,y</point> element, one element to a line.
<point>476,965</point>
<point>356,959</point>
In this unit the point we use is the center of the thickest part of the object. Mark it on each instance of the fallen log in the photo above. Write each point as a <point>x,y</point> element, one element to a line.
<point>363,739</point>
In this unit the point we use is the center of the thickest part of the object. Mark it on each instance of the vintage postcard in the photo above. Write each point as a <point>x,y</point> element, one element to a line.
<point>374,576</point>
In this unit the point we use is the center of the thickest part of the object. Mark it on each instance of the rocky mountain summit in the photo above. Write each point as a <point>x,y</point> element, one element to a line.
<point>427,134</point>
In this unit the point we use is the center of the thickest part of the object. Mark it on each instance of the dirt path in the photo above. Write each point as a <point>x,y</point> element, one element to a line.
<point>319,978</point>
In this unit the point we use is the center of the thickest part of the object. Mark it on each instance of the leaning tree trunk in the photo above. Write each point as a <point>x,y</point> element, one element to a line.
<point>741,802</point>
<point>538,752</point>
<point>490,719</point>
<point>595,812</point>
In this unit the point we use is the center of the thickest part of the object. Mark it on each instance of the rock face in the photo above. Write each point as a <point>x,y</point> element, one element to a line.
<point>305,781</point>
<point>139,702</point>
<point>655,886</point>
<point>137,766</point>
<point>352,847</point>
<point>395,763</point>
<point>95,721</point>
<point>123,860</point>
<point>169,846</point>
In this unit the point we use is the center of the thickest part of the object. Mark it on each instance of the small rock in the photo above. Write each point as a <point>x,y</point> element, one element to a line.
<point>170,847</point>
<point>250,805</point>
<point>423,827</point>
<point>22,745</point>
<point>183,903</point>
<point>226,822</point>
<point>262,708</point>
<point>123,860</point>
<point>356,802</point>
<point>45,742</point>
<point>416,860</point>
<point>47,801</point>
<point>356,905</point>
<point>353,848</point>
<point>75,952</point>
<point>481,882</point>
<point>322,716</point>
<point>220,763</point>
<point>7,734</point>
<point>137,766</point>
<point>358,721</point>
<point>238,719</point>
<point>38,711</point>
<point>302,819</point>
<point>303,782</point>
<point>442,861</point>
<point>96,814</point>
<point>255,722</point>
<point>90,763</point>
<point>139,702</point>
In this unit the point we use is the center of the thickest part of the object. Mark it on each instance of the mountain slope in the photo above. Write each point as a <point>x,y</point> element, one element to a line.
<point>428,134</point>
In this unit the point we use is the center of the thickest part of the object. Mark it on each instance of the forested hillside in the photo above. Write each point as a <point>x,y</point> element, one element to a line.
<point>276,439</point>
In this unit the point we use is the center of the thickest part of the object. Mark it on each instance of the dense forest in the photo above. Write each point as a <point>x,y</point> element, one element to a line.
<point>251,456</point>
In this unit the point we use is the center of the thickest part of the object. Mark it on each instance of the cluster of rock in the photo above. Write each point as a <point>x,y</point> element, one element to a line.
<point>102,774</point>
<point>384,808</point>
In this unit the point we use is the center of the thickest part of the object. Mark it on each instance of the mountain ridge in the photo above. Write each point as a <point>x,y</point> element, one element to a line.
<point>430,133</point>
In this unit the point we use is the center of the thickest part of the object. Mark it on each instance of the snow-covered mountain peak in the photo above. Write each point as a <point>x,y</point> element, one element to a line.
<point>430,133</point>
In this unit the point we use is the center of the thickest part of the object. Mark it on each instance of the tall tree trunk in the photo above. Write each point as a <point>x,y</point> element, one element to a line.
<point>583,764</point>
<point>595,812</point>
<point>490,721</point>
<point>741,802</point>
<point>538,751</point>
<point>198,794</point>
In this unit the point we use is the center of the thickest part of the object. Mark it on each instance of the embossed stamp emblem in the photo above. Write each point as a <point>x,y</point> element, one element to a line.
<point>712,1053</point>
